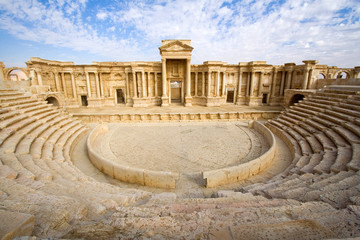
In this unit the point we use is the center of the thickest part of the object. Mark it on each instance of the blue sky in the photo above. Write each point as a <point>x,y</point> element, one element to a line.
<point>84,31</point>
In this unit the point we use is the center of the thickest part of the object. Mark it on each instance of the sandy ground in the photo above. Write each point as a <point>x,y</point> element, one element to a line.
<point>221,136</point>
<point>173,108</point>
<point>184,147</point>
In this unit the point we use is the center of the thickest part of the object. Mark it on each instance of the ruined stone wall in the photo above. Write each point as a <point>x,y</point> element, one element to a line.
<point>139,84</point>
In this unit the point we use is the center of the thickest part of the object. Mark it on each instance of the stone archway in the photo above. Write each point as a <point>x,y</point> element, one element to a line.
<point>56,99</point>
<point>16,74</point>
<point>296,98</point>
<point>342,74</point>
<point>53,101</point>
<point>293,96</point>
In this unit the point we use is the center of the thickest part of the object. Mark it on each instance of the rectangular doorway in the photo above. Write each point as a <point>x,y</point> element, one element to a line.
<point>175,91</point>
<point>120,96</point>
<point>264,99</point>
<point>84,101</point>
<point>230,96</point>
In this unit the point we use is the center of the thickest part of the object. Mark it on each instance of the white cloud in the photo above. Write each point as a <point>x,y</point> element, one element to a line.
<point>101,15</point>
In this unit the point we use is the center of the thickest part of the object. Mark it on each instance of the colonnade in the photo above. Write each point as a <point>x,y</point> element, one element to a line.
<point>145,92</point>
<point>145,83</point>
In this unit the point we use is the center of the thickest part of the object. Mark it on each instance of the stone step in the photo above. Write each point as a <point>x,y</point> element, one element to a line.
<point>340,91</point>
<point>39,173</point>
<point>8,114</point>
<point>4,134</point>
<point>344,156</point>
<point>354,163</point>
<point>314,160</point>
<point>349,136</point>
<point>345,111</point>
<point>333,95</point>
<point>349,106</point>
<point>337,139</point>
<point>326,163</point>
<point>352,101</point>
<point>10,160</point>
<point>325,141</point>
<point>352,127</point>
<point>341,116</point>
<point>16,225</point>
<point>315,144</point>
<point>10,121</point>
<point>13,98</point>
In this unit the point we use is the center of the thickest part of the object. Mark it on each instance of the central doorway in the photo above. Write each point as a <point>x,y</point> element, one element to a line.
<point>175,91</point>
<point>120,96</point>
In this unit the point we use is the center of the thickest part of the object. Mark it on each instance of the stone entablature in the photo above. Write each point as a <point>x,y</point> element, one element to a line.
<point>175,79</point>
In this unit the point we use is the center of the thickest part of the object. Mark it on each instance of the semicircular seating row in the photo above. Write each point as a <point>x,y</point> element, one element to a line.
<point>36,139</point>
<point>323,133</point>
<point>38,177</point>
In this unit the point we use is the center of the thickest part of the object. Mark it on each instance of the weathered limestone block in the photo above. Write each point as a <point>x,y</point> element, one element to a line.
<point>128,174</point>
<point>14,224</point>
<point>7,172</point>
<point>160,179</point>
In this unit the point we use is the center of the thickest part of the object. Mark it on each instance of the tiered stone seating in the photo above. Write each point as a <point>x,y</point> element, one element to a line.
<point>325,126</point>
<point>38,177</point>
<point>36,140</point>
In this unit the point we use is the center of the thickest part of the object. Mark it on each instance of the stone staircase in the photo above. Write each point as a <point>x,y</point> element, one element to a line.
<point>36,170</point>
<point>317,196</point>
<point>323,132</point>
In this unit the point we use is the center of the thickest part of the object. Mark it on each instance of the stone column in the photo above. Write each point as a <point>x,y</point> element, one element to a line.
<point>88,84</point>
<point>208,84</point>
<point>32,76</point>
<point>217,83</point>
<point>164,98</point>
<point>239,85</point>
<point>73,84</point>
<point>148,82</point>
<point>223,84</point>
<point>288,80</point>
<point>273,83</point>
<point>2,66</point>
<point>39,79</point>
<point>101,85</point>
<point>248,84</point>
<point>203,84</point>
<point>156,83</point>
<point>196,83</point>
<point>261,80</point>
<point>282,83</point>
<point>188,84</point>
<point>252,80</point>
<point>127,86</point>
<point>134,84</point>
<point>306,79</point>
<point>63,82</point>
<point>163,68</point>
<point>143,84</point>
<point>56,74</point>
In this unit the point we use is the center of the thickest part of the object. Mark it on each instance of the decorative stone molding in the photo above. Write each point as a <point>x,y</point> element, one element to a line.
<point>244,171</point>
<point>124,173</point>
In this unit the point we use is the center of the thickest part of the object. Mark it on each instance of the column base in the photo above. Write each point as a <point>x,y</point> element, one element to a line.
<point>240,100</point>
<point>213,101</point>
<point>188,101</point>
<point>164,101</point>
<point>254,101</point>
<point>140,102</point>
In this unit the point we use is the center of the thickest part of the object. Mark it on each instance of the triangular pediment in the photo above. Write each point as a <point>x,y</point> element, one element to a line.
<point>176,46</point>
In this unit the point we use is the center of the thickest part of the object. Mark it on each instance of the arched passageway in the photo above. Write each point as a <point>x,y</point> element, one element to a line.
<point>17,75</point>
<point>53,101</point>
<point>296,98</point>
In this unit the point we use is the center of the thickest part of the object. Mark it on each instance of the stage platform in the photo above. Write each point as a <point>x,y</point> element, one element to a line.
<point>174,113</point>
